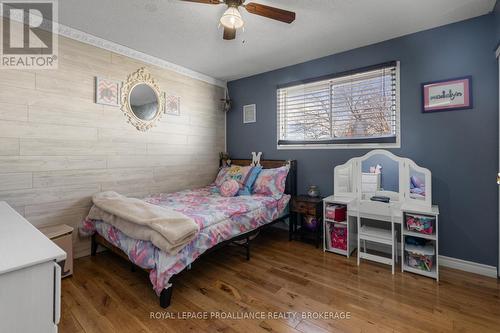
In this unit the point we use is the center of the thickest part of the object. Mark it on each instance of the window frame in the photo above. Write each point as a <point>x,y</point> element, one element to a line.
<point>345,143</point>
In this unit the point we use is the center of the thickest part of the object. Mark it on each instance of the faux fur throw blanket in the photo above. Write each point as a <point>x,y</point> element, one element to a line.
<point>165,228</point>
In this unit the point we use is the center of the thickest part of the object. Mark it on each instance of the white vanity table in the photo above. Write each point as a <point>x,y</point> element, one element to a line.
<point>376,225</point>
<point>30,278</point>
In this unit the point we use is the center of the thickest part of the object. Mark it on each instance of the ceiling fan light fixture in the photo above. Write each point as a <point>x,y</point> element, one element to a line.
<point>231,18</point>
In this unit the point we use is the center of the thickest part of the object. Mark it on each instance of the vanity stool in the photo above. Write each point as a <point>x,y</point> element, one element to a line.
<point>380,214</point>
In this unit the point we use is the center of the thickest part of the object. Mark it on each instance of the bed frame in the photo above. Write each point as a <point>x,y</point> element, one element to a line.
<point>242,240</point>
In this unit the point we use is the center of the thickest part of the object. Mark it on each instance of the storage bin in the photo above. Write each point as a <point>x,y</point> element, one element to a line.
<point>420,223</point>
<point>62,236</point>
<point>336,213</point>
<point>338,236</point>
<point>420,257</point>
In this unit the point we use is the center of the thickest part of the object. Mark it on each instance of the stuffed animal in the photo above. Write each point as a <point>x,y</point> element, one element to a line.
<point>376,169</point>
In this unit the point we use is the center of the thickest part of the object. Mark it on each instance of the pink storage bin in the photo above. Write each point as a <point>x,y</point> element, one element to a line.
<point>336,213</point>
<point>339,236</point>
<point>421,224</point>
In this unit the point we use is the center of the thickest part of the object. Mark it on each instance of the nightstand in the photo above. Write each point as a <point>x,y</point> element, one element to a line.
<point>306,206</point>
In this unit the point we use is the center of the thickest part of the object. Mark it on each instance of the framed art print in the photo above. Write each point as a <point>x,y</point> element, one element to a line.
<point>249,114</point>
<point>172,105</point>
<point>447,95</point>
<point>107,92</point>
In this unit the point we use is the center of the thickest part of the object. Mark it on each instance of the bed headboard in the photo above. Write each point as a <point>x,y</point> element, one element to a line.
<point>291,179</point>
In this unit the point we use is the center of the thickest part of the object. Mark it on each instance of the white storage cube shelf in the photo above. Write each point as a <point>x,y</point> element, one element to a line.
<point>329,223</point>
<point>431,239</point>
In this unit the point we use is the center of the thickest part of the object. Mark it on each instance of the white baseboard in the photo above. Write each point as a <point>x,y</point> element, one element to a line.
<point>468,266</point>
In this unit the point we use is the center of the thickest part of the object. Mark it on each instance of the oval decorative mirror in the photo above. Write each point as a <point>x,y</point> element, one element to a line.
<point>142,101</point>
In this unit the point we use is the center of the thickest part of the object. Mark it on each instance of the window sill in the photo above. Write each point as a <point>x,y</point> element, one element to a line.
<point>340,146</point>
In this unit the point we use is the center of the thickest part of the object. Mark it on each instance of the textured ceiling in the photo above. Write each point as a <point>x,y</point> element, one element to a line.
<point>187,33</point>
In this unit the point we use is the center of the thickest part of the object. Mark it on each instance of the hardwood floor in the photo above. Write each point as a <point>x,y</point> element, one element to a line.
<point>105,296</point>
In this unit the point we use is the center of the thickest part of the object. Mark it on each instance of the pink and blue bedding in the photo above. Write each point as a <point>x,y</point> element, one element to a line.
<point>219,218</point>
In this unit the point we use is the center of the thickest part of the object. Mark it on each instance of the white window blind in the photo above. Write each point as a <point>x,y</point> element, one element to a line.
<point>354,107</point>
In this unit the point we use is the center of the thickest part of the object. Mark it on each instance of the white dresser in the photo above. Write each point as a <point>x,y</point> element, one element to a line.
<point>30,278</point>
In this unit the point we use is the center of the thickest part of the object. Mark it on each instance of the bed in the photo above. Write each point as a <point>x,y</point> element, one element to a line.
<point>222,220</point>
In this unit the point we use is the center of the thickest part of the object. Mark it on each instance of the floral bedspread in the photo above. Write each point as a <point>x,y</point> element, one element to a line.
<point>220,218</point>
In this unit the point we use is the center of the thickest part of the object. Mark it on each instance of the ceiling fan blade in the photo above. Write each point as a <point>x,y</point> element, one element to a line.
<point>208,2</point>
<point>229,34</point>
<point>270,12</point>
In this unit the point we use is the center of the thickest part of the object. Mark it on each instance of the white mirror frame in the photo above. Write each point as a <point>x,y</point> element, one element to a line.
<point>427,200</point>
<point>141,76</point>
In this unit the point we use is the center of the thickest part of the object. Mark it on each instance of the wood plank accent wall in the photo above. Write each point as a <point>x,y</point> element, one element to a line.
<point>57,147</point>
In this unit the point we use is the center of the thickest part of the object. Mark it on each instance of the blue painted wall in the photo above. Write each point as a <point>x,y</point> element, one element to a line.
<point>459,147</point>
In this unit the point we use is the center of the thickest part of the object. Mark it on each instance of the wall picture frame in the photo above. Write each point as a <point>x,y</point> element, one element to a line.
<point>447,95</point>
<point>107,92</point>
<point>249,113</point>
<point>172,105</point>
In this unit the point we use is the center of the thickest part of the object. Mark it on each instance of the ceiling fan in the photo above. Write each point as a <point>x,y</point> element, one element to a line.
<point>231,20</point>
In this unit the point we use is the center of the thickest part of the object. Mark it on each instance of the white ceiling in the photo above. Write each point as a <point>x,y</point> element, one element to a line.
<point>187,34</point>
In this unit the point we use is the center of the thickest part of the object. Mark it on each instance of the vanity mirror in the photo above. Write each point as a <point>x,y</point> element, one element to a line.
<point>380,175</point>
<point>379,172</point>
<point>142,101</point>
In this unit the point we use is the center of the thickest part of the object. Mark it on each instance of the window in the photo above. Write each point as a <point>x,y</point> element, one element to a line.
<point>357,109</point>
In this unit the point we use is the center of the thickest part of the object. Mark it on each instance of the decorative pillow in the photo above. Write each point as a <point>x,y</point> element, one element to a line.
<point>271,182</point>
<point>246,187</point>
<point>222,176</point>
<point>244,175</point>
<point>229,188</point>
